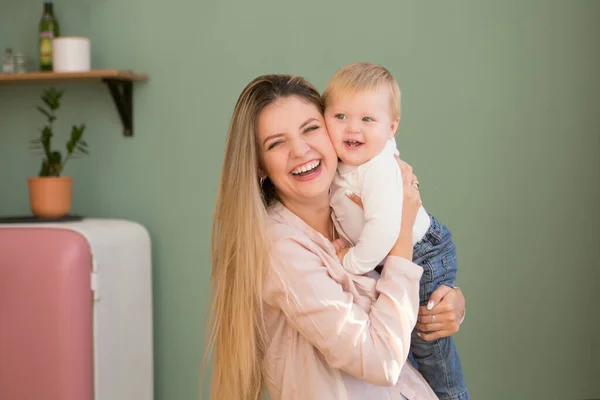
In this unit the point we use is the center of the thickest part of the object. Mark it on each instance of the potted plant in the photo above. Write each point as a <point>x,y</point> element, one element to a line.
<point>49,192</point>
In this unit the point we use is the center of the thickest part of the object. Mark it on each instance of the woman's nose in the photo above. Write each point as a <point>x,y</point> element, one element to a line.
<point>299,147</point>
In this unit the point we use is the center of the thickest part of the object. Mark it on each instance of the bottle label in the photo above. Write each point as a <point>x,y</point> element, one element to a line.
<point>46,49</point>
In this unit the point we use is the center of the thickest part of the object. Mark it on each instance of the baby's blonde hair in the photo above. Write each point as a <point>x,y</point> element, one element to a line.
<point>361,76</point>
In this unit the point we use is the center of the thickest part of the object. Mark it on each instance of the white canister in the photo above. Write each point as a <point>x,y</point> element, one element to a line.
<point>71,54</point>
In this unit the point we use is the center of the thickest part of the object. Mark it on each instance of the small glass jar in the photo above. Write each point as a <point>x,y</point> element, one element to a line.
<point>8,65</point>
<point>20,63</point>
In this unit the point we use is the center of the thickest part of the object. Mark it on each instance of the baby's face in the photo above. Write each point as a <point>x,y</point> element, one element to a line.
<point>360,124</point>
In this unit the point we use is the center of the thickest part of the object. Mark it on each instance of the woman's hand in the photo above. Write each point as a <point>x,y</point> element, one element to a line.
<point>442,315</point>
<point>410,206</point>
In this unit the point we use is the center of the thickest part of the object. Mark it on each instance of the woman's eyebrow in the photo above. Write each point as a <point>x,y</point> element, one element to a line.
<point>272,137</point>
<point>308,121</point>
<point>276,135</point>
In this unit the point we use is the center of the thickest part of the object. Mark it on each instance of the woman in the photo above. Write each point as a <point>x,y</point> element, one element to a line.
<point>285,314</point>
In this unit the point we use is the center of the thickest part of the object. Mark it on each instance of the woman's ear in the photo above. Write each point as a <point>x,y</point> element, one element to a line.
<point>261,173</point>
<point>261,176</point>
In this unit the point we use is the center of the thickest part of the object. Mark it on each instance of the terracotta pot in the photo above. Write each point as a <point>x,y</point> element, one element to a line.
<point>50,197</point>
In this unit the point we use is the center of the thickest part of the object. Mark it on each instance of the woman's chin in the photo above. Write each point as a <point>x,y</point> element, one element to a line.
<point>313,187</point>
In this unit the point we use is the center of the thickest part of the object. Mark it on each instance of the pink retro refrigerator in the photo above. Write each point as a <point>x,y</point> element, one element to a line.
<point>75,311</point>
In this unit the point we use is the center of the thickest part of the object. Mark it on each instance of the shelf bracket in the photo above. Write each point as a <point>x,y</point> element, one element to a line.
<point>122,95</point>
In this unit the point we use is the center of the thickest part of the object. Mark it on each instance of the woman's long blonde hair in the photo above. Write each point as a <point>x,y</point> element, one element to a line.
<point>240,253</point>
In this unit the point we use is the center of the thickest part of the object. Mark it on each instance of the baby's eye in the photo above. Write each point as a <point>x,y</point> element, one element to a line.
<point>340,116</point>
<point>368,119</point>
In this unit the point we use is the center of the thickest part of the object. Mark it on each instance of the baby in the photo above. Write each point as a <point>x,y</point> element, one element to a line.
<point>362,113</point>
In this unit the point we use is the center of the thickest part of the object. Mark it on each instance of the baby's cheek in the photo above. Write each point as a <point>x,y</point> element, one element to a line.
<point>339,149</point>
<point>335,134</point>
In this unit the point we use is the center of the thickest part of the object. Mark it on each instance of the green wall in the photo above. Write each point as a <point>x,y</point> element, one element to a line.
<point>501,121</point>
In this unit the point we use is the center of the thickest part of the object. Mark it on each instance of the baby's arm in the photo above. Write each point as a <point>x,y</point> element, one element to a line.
<point>381,194</point>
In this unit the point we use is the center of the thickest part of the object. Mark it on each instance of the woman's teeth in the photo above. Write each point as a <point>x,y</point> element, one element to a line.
<point>306,168</point>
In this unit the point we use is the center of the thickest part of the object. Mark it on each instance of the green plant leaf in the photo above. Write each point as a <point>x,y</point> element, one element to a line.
<point>55,157</point>
<point>48,114</point>
<point>51,97</point>
<point>82,150</point>
<point>75,143</point>
<point>46,135</point>
<point>53,162</point>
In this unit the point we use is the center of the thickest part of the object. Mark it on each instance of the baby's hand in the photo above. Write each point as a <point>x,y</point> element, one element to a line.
<point>342,253</point>
<point>357,200</point>
<point>341,248</point>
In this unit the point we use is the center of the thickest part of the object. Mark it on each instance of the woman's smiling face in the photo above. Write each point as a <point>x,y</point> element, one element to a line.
<point>295,150</point>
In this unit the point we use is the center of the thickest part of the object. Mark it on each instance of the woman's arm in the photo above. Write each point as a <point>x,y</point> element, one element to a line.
<point>372,346</point>
<point>411,202</point>
<point>447,304</point>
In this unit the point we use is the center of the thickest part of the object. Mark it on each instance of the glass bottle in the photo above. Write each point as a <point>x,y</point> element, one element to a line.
<point>49,29</point>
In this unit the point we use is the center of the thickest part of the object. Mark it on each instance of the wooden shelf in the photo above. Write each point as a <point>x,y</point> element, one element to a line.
<point>96,75</point>
<point>119,83</point>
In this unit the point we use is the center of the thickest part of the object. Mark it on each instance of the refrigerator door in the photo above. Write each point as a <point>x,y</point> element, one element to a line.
<point>46,344</point>
<point>76,311</point>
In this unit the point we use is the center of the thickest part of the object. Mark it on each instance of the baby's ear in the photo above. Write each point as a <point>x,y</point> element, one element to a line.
<point>394,127</point>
